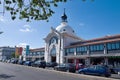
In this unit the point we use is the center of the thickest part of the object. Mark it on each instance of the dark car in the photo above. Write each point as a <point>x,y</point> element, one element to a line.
<point>21,62</point>
<point>28,63</point>
<point>39,63</point>
<point>79,66</point>
<point>51,64</point>
<point>66,67</point>
<point>115,70</point>
<point>96,70</point>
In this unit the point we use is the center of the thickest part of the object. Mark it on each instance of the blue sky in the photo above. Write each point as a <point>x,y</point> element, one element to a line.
<point>88,19</point>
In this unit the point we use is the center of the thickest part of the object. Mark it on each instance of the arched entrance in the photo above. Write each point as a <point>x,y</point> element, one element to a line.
<point>53,54</point>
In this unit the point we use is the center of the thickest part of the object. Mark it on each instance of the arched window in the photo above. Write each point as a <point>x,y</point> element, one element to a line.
<point>53,40</point>
<point>53,51</point>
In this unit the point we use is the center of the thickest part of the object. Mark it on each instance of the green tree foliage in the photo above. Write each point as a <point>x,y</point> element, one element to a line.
<point>13,55</point>
<point>17,55</point>
<point>31,9</point>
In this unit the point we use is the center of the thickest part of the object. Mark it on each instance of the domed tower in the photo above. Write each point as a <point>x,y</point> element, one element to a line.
<point>67,31</point>
<point>58,39</point>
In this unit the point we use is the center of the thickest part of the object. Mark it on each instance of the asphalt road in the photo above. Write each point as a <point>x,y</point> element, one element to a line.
<point>18,72</point>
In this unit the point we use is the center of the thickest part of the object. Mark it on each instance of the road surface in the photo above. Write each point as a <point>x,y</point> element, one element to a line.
<point>18,72</point>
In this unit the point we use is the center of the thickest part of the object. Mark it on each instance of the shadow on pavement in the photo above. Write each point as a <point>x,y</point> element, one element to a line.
<point>5,76</point>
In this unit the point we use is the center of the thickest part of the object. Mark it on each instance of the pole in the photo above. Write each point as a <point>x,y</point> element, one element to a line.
<point>59,49</point>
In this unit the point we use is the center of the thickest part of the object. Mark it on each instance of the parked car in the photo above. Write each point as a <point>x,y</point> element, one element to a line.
<point>21,62</point>
<point>79,66</point>
<point>8,61</point>
<point>96,70</point>
<point>51,64</point>
<point>115,70</point>
<point>39,63</point>
<point>66,67</point>
<point>28,63</point>
<point>14,61</point>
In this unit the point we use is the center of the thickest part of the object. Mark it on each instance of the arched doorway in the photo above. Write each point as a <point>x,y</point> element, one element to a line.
<point>53,54</point>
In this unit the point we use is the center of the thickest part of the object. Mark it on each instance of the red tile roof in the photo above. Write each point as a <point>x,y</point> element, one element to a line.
<point>105,39</point>
<point>37,49</point>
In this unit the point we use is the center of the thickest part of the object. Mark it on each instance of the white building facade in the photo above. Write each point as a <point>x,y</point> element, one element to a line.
<point>63,46</point>
<point>56,41</point>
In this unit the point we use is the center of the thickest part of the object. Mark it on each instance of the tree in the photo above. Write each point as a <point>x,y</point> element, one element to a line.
<point>13,55</point>
<point>30,9</point>
<point>17,55</point>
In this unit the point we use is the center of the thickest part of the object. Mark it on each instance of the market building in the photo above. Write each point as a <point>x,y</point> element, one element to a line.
<point>62,45</point>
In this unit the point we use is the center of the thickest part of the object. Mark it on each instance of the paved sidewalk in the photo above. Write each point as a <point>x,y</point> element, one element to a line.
<point>115,76</point>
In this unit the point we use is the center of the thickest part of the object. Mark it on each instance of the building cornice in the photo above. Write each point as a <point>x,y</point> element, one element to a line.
<point>96,41</point>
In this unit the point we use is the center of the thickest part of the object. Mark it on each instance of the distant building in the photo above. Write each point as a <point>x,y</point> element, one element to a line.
<point>6,52</point>
<point>18,50</point>
<point>63,46</point>
<point>24,53</point>
<point>36,54</point>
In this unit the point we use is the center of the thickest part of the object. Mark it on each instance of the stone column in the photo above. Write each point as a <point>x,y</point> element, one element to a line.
<point>105,49</point>
<point>106,61</point>
<point>75,54</point>
<point>88,50</point>
<point>105,53</point>
<point>87,61</point>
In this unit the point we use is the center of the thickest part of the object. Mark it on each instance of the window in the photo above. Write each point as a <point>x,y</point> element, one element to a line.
<point>64,30</point>
<point>81,50</point>
<point>42,53</point>
<point>117,45</point>
<point>53,40</point>
<point>101,47</point>
<point>73,31</point>
<point>113,46</point>
<point>69,51</point>
<point>97,47</point>
<point>53,51</point>
<point>109,46</point>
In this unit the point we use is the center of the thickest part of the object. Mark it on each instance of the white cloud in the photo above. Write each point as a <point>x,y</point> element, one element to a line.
<point>2,19</point>
<point>26,28</point>
<point>22,45</point>
<point>81,24</point>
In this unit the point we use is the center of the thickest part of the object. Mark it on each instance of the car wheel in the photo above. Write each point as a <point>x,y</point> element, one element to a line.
<point>82,72</point>
<point>107,75</point>
<point>68,70</point>
<point>43,67</point>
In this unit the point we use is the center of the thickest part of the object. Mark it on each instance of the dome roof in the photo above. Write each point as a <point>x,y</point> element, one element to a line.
<point>65,28</point>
